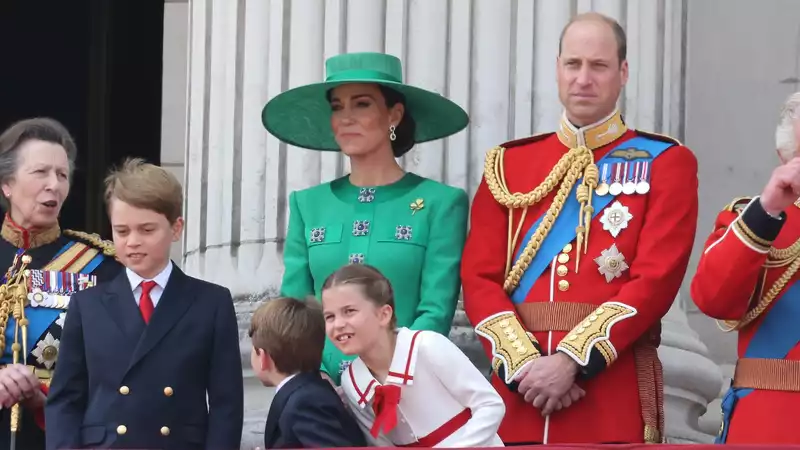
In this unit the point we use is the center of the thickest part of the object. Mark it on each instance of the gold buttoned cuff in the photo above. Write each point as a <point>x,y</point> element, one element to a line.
<point>512,346</point>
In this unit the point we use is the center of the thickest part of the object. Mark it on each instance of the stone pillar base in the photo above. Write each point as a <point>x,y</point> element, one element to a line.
<point>691,380</point>
<point>257,398</point>
<point>463,335</point>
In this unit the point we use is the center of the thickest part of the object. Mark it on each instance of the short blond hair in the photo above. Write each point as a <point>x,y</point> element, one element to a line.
<point>291,332</point>
<point>785,140</point>
<point>146,186</point>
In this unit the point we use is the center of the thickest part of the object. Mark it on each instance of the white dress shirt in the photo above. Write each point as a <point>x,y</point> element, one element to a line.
<point>437,382</point>
<point>160,279</point>
<point>283,383</point>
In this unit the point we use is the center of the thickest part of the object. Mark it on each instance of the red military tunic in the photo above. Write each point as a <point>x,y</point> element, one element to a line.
<point>748,255</point>
<point>598,314</point>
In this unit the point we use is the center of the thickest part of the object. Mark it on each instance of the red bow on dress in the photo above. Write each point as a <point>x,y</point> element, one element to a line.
<point>384,404</point>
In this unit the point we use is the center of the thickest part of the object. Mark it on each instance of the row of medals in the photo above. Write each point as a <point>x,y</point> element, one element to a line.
<point>633,183</point>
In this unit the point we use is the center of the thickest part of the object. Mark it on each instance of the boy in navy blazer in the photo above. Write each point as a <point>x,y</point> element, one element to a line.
<point>306,412</point>
<point>151,359</point>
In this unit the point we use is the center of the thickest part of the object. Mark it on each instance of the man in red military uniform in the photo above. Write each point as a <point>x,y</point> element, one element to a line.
<point>747,277</point>
<point>566,280</point>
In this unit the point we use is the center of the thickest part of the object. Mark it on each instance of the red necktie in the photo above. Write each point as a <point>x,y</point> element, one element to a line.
<point>145,302</point>
<point>384,404</point>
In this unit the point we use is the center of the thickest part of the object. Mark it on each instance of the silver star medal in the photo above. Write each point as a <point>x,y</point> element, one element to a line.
<point>611,263</point>
<point>615,218</point>
<point>46,351</point>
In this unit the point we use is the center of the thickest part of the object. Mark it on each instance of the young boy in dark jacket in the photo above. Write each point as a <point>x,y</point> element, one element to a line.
<point>288,337</point>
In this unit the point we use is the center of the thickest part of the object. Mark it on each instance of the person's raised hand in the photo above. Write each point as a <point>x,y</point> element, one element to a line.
<point>782,189</point>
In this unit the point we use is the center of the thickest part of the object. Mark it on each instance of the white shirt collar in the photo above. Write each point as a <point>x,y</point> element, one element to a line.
<point>401,370</point>
<point>161,279</point>
<point>282,383</point>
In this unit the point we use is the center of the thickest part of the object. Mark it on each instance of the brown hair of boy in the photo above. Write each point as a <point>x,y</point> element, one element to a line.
<point>376,287</point>
<point>145,186</point>
<point>291,332</point>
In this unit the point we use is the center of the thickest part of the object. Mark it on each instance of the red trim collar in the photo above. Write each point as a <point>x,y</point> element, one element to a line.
<point>23,238</point>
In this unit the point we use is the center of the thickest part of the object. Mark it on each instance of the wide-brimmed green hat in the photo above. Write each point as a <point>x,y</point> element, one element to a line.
<point>301,116</point>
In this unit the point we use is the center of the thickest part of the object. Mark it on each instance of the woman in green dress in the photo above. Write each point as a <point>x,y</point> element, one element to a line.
<point>409,227</point>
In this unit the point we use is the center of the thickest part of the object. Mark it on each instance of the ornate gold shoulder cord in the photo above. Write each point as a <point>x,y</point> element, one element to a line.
<point>566,173</point>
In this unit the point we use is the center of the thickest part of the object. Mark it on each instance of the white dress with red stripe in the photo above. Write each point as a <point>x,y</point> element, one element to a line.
<point>441,398</point>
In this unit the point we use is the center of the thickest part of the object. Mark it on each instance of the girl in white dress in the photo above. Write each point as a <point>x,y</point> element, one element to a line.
<point>406,387</point>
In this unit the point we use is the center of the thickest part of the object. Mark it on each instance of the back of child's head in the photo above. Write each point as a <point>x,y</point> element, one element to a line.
<point>374,285</point>
<point>145,186</point>
<point>291,332</point>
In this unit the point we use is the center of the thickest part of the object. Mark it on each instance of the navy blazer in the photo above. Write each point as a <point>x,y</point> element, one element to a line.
<point>306,412</point>
<point>121,383</point>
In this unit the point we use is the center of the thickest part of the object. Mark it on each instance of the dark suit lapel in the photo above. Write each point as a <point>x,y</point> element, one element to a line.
<point>121,306</point>
<point>277,406</point>
<point>173,304</point>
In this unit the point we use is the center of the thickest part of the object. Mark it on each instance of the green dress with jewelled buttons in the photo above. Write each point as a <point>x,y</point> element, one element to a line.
<point>413,231</point>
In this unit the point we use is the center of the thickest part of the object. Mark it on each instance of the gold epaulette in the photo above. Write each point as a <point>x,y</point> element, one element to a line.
<point>526,140</point>
<point>738,204</point>
<point>106,246</point>
<point>659,137</point>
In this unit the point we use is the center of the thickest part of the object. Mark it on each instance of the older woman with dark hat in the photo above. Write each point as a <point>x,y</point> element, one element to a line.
<point>43,266</point>
<point>409,227</point>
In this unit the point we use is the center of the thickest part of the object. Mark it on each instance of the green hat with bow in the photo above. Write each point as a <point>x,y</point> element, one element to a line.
<point>301,116</point>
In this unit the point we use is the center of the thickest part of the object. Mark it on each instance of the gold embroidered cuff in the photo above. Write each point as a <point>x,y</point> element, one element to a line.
<point>512,346</point>
<point>594,333</point>
<point>756,228</point>
<point>747,236</point>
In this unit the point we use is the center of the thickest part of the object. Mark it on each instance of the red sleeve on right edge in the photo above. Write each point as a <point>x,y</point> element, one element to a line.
<point>732,259</point>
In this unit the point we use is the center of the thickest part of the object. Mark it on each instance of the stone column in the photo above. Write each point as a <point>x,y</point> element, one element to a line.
<point>496,58</point>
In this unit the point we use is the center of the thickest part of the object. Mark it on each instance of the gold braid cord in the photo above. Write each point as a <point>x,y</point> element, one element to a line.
<point>566,172</point>
<point>784,256</point>
<point>13,296</point>
<point>106,246</point>
<point>789,256</point>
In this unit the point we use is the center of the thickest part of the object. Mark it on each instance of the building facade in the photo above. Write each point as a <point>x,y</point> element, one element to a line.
<point>698,72</point>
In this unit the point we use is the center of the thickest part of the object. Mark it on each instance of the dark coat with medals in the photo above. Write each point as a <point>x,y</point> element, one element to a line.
<point>62,262</point>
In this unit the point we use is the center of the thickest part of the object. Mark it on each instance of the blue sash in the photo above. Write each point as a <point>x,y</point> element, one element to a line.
<point>774,338</point>
<point>40,318</point>
<point>563,230</point>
